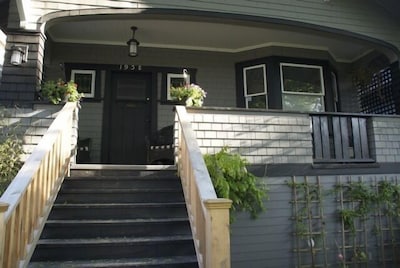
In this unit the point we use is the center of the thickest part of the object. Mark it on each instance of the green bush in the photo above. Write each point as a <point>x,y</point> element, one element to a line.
<point>231,180</point>
<point>10,163</point>
<point>10,151</point>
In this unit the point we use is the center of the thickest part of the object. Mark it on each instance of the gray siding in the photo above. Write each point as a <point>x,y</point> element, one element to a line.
<point>30,124</point>
<point>280,137</point>
<point>385,139</point>
<point>90,126</point>
<point>259,137</point>
<point>21,83</point>
<point>269,241</point>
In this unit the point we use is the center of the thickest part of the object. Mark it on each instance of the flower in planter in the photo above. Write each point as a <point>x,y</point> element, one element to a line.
<point>190,95</point>
<point>58,91</point>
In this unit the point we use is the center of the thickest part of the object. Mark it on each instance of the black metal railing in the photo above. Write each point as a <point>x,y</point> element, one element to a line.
<point>340,138</point>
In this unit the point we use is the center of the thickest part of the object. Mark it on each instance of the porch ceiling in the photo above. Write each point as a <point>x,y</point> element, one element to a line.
<point>203,35</point>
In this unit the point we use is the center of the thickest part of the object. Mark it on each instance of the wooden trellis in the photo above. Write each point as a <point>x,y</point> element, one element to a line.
<point>309,223</point>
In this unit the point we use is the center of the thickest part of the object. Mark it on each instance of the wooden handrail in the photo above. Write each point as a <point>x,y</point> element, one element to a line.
<point>27,201</point>
<point>208,214</point>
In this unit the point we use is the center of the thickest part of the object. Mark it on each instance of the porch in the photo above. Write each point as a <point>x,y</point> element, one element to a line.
<point>278,137</point>
<point>309,162</point>
<point>283,149</point>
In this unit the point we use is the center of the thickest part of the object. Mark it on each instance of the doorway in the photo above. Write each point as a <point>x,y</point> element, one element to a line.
<point>129,117</point>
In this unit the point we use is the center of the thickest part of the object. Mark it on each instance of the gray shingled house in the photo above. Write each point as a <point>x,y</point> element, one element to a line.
<point>307,91</point>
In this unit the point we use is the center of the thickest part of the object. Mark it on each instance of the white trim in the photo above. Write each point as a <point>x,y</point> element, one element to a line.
<point>248,97</point>
<point>93,82</point>
<point>310,66</point>
<point>303,66</point>
<point>25,12</point>
<point>3,39</point>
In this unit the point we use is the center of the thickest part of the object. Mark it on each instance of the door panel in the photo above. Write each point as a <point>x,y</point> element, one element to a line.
<point>129,118</point>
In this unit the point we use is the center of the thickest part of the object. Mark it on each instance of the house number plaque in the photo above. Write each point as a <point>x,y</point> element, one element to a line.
<point>130,67</point>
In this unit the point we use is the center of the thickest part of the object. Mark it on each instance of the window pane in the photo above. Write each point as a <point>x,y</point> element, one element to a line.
<point>257,102</point>
<point>302,79</point>
<point>254,80</point>
<point>303,103</point>
<point>84,82</point>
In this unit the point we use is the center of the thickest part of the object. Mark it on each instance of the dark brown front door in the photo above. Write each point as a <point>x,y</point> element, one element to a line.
<point>129,118</point>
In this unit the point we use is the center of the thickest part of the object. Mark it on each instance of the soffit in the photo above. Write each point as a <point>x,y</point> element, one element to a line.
<point>207,36</point>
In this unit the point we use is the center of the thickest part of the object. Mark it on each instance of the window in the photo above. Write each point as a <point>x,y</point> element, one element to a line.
<point>175,80</point>
<point>86,80</point>
<point>302,87</point>
<point>255,86</point>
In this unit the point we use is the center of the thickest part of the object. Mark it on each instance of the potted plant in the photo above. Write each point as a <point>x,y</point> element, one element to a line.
<point>189,95</point>
<point>60,91</point>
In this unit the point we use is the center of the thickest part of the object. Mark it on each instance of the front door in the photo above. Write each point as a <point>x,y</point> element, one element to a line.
<point>129,119</point>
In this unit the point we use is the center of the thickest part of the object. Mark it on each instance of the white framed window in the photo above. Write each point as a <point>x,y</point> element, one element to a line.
<point>302,87</point>
<point>175,80</point>
<point>86,81</point>
<point>255,86</point>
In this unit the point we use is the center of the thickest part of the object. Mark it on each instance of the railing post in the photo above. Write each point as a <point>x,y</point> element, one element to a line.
<point>217,233</point>
<point>3,209</point>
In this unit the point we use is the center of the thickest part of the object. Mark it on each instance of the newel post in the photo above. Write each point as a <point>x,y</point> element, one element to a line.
<point>3,209</point>
<point>218,251</point>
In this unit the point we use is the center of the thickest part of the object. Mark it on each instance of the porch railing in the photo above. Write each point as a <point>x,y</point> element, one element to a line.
<point>26,203</point>
<point>209,215</point>
<point>340,138</point>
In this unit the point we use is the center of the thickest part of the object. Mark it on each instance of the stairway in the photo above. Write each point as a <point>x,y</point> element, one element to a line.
<point>117,218</point>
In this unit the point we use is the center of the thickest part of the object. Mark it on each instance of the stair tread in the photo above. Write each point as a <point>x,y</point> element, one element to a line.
<point>113,221</point>
<point>117,220</point>
<point>152,204</point>
<point>93,241</point>
<point>126,177</point>
<point>118,190</point>
<point>118,262</point>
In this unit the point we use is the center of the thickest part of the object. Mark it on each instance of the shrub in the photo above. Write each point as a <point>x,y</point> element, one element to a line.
<point>10,163</point>
<point>10,151</point>
<point>231,180</point>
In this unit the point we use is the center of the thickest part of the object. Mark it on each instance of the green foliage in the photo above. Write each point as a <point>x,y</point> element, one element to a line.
<point>191,95</point>
<point>59,91</point>
<point>10,151</point>
<point>362,196</point>
<point>232,180</point>
<point>307,200</point>
<point>366,200</point>
<point>389,198</point>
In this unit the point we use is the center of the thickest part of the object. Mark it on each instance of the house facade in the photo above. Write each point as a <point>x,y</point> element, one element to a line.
<point>283,78</point>
<point>241,54</point>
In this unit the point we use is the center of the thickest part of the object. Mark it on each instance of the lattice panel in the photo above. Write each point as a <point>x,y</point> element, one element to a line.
<point>377,97</point>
